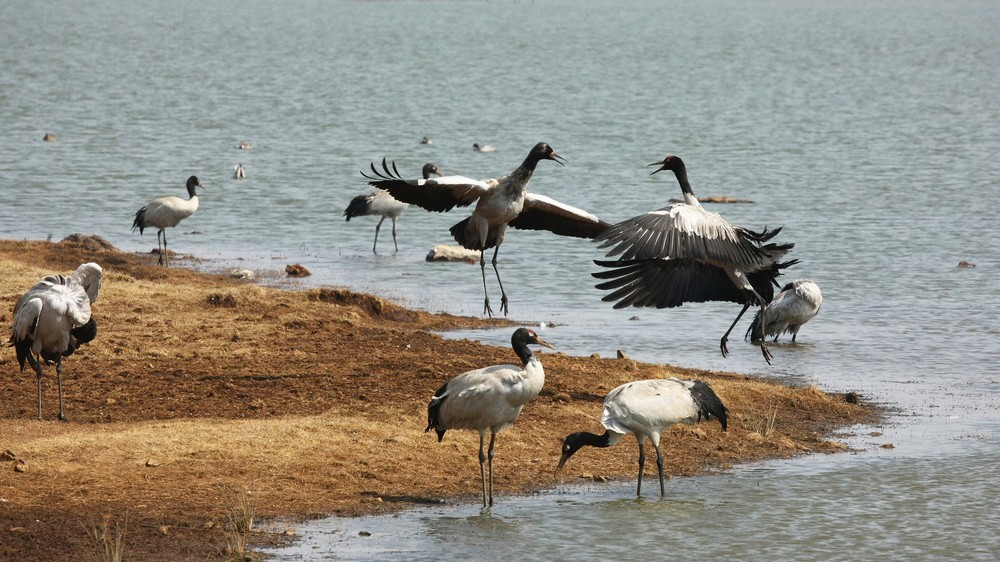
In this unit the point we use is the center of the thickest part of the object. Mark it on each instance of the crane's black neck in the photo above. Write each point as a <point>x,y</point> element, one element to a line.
<point>682,178</point>
<point>523,351</point>
<point>587,438</point>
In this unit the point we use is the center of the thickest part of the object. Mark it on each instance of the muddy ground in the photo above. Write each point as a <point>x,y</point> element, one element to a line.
<point>200,388</point>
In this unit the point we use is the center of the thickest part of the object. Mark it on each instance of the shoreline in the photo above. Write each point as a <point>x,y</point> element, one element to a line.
<point>200,387</point>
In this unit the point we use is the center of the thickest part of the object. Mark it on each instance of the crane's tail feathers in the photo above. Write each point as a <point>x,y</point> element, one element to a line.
<point>709,404</point>
<point>139,223</point>
<point>762,236</point>
<point>434,420</point>
<point>755,332</point>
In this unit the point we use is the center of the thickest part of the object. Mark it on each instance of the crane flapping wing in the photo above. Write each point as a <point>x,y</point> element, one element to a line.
<point>544,213</point>
<point>683,231</point>
<point>435,194</point>
<point>663,283</point>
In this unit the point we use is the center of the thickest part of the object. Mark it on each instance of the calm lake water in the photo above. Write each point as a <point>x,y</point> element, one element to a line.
<point>868,129</point>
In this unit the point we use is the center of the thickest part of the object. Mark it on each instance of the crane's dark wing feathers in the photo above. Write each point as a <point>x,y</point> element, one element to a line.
<point>664,283</point>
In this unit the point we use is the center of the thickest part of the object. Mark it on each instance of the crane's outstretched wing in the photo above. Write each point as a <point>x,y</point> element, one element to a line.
<point>434,194</point>
<point>666,283</point>
<point>685,231</point>
<point>544,213</point>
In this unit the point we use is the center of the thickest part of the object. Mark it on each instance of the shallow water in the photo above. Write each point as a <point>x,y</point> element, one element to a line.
<point>867,129</point>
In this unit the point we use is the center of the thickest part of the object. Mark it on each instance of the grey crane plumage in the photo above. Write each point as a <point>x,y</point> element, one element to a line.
<point>684,253</point>
<point>165,212</point>
<point>380,202</point>
<point>52,319</point>
<point>797,303</point>
<point>500,203</point>
<point>489,399</point>
<point>645,409</point>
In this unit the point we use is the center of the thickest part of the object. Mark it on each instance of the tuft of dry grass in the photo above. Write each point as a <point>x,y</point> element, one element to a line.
<point>107,539</point>
<point>240,515</point>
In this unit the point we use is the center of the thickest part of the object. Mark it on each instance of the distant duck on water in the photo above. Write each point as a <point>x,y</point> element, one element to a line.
<point>483,148</point>
<point>239,173</point>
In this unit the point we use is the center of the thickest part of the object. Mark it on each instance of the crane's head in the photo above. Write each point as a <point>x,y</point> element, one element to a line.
<point>192,183</point>
<point>430,169</point>
<point>542,151</point>
<point>672,163</point>
<point>527,335</point>
<point>571,444</point>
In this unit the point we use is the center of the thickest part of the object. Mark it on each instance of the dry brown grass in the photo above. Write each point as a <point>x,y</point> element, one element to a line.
<point>318,398</point>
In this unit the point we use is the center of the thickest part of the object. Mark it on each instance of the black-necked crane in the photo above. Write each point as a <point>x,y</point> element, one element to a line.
<point>684,253</point>
<point>797,303</point>
<point>379,202</point>
<point>489,399</point>
<point>483,147</point>
<point>52,319</point>
<point>500,202</point>
<point>645,409</point>
<point>165,212</point>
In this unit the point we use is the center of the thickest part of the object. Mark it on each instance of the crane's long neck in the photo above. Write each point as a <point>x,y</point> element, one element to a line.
<point>523,173</point>
<point>682,179</point>
<point>523,353</point>
<point>608,439</point>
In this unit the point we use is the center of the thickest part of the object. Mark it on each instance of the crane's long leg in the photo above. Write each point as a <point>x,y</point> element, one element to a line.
<point>59,378</point>
<point>493,436</point>
<point>763,341</point>
<point>159,246</point>
<point>659,466</point>
<point>378,226</point>
<point>38,372</point>
<point>725,337</point>
<point>642,464</point>
<point>486,296</point>
<point>482,462</point>
<point>503,295</point>
<point>394,234</point>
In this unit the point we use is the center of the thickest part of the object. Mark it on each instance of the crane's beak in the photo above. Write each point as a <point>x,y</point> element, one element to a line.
<point>201,185</point>
<point>540,341</point>
<point>558,159</point>
<point>562,461</point>
<point>660,163</point>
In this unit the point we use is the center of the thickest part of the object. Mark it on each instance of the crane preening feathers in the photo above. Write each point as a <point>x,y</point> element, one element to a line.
<point>797,303</point>
<point>52,319</point>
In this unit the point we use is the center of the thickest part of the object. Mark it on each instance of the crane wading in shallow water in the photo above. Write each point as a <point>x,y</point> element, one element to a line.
<point>645,409</point>
<point>797,303</point>
<point>499,202</point>
<point>683,253</point>
<point>53,319</point>
<point>489,399</point>
<point>379,202</point>
<point>165,212</point>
